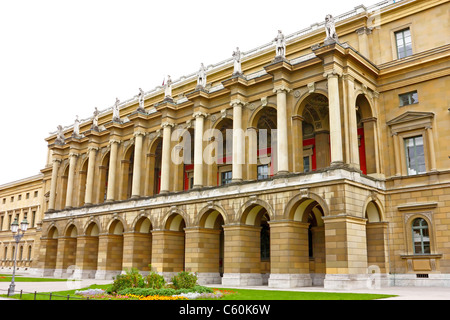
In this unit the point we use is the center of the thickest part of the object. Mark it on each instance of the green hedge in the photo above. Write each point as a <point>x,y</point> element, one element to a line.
<point>163,291</point>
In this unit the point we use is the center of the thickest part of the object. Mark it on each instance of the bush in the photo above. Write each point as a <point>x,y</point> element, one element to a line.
<point>131,279</point>
<point>155,281</point>
<point>184,280</point>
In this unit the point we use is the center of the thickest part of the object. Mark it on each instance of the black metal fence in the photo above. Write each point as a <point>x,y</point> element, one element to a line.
<point>49,295</point>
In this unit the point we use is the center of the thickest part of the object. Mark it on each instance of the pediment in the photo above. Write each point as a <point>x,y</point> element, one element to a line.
<point>410,116</point>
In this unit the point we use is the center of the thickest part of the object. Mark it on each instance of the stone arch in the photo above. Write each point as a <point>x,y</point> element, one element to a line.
<point>207,216</point>
<point>306,199</point>
<point>52,232</point>
<point>373,210</point>
<point>142,223</point>
<point>92,227</point>
<point>169,217</point>
<point>117,225</point>
<point>300,103</point>
<point>258,112</point>
<point>71,230</point>
<point>252,211</point>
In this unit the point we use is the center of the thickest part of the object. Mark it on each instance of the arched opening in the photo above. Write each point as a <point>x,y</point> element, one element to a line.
<point>153,184</point>
<point>367,136</point>
<point>175,224</point>
<point>113,247</point>
<point>311,258</point>
<point>220,153</point>
<point>257,216</point>
<point>69,247</point>
<point>63,189</point>
<point>82,183</point>
<point>51,250</point>
<point>315,132</point>
<point>262,144</point>
<point>87,255</point>
<point>212,256</point>
<point>127,167</point>
<point>376,237</point>
<point>141,244</point>
<point>104,173</point>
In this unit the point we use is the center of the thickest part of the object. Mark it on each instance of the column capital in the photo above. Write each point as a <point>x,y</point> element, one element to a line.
<point>139,133</point>
<point>281,89</point>
<point>237,103</point>
<point>167,124</point>
<point>199,114</point>
<point>57,161</point>
<point>297,118</point>
<point>332,74</point>
<point>73,154</point>
<point>89,149</point>
<point>112,141</point>
<point>428,128</point>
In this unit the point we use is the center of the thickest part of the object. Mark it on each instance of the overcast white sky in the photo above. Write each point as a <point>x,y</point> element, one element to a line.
<point>61,58</point>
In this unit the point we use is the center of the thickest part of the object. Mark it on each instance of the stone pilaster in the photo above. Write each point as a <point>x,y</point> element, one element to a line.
<point>137,165</point>
<point>165,163</point>
<point>111,194</point>
<point>54,182</point>
<point>167,252</point>
<point>289,254</point>
<point>282,130</point>
<point>69,195</point>
<point>92,151</point>
<point>198,149</point>
<point>238,141</point>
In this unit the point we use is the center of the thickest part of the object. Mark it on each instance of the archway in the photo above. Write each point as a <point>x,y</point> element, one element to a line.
<point>176,224</point>
<point>87,250</point>
<point>63,189</point>
<point>50,243</point>
<point>82,176</point>
<point>376,237</point>
<point>139,244</point>
<point>153,183</point>
<point>104,173</point>
<point>127,167</point>
<point>314,134</point>
<point>367,136</point>
<point>69,247</point>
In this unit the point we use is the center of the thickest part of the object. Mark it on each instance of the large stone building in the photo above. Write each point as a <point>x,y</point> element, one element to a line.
<point>319,159</point>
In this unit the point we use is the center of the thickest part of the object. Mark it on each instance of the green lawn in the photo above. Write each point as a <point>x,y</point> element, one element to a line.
<point>19,278</point>
<point>240,294</point>
<point>248,294</point>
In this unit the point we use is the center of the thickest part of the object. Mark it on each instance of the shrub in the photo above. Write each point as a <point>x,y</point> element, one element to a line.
<point>131,279</point>
<point>145,292</point>
<point>184,280</point>
<point>155,281</point>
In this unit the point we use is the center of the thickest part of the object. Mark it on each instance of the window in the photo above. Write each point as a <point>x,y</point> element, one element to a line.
<point>19,197</point>
<point>415,155</point>
<point>421,237</point>
<point>1,222</point>
<point>4,200</point>
<point>36,194</point>
<point>307,164</point>
<point>404,43</point>
<point>263,172</point>
<point>12,199</point>
<point>27,195</point>
<point>408,98</point>
<point>33,218</point>
<point>226,177</point>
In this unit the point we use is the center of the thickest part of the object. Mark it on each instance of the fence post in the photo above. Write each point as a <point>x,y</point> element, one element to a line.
<point>35,295</point>
<point>21,294</point>
<point>68,297</point>
<point>50,296</point>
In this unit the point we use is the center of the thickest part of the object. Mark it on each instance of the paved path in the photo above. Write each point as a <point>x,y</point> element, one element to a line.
<point>403,293</point>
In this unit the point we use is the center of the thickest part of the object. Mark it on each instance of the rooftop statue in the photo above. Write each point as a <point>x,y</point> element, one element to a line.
<point>60,139</point>
<point>168,88</point>
<point>280,43</point>
<point>237,61</point>
<point>116,116</point>
<point>141,100</point>
<point>95,120</point>
<point>201,76</point>
<point>330,30</point>
<point>76,128</point>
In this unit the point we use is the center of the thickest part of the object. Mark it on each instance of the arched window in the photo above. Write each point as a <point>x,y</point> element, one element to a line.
<point>421,236</point>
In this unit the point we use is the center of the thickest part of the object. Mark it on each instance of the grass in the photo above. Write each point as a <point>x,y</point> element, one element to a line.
<point>239,294</point>
<point>18,278</point>
<point>249,294</point>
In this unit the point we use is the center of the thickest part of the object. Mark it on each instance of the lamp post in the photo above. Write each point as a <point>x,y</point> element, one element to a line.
<point>17,234</point>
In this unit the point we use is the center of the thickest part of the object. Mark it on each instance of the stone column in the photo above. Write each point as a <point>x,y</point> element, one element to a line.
<point>238,141</point>
<point>335,118</point>
<point>242,256</point>
<point>110,194</point>
<point>198,149</point>
<point>69,195</point>
<point>289,254</point>
<point>282,131</point>
<point>52,200</point>
<point>297,137</point>
<point>346,252</point>
<point>165,162</point>
<point>203,254</point>
<point>431,148</point>
<point>137,165</point>
<point>90,175</point>
<point>397,156</point>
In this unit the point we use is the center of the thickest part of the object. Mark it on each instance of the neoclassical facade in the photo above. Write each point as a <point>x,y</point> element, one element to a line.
<point>320,159</point>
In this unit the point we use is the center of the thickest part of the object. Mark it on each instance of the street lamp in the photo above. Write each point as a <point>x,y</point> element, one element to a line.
<point>17,234</point>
